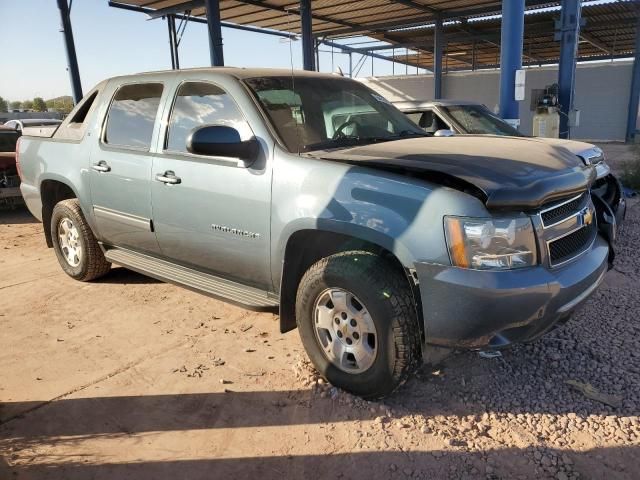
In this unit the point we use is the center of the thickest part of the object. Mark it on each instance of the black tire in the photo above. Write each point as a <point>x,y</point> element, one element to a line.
<point>92,263</point>
<point>385,293</point>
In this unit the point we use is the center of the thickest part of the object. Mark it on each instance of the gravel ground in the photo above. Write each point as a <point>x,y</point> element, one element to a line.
<point>532,397</point>
<point>131,378</point>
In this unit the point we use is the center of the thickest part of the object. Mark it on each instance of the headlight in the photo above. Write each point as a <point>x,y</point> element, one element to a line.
<point>490,244</point>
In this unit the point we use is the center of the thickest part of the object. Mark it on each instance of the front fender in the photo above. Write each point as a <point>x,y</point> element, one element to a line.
<point>401,214</point>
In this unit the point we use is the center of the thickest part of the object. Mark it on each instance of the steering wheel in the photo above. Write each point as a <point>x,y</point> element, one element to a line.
<point>339,131</point>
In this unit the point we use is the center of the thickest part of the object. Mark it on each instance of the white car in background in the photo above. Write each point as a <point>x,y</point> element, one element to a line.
<point>22,123</point>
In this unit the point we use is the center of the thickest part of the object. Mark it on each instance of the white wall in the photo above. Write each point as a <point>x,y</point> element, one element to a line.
<point>602,94</point>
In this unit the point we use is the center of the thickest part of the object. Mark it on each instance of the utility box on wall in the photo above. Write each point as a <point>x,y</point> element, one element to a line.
<point>520,93</point>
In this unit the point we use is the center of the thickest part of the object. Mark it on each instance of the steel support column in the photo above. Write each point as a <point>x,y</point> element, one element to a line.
<point>173,42</point>
<point>72,60</point>
<point>634,95</point>
<point>438,43</point>
<point>308,61</point>
<point>569,36</point>
<point>214,24</point>
<point>511,44</point>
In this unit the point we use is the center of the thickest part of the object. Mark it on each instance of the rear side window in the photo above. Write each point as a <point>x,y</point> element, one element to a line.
<point>83,109</point>
<point>198,104</point>
<point>132,115</point>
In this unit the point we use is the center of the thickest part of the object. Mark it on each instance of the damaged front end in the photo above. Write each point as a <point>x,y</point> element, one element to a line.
<point>611,207</point>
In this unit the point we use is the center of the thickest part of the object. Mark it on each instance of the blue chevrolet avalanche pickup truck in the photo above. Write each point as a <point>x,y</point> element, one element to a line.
<point>312,194</point>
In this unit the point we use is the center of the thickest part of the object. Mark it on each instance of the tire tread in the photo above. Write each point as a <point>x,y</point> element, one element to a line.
<point>96,265</point>
<point>382,275</point>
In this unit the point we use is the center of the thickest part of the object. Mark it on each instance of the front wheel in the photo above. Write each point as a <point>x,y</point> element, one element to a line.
<point>76,247</point>
<point>357,321</point>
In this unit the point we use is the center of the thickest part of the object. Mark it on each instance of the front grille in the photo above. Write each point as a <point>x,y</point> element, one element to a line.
<point>572,245</point>
<point>554,215</point>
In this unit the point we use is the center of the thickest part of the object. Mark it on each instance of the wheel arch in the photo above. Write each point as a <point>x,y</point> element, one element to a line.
<point>305,247</point>
<point>52,191</point>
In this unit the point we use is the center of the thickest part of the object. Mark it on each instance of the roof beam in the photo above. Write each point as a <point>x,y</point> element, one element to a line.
<point>179,8</point>
<point>245,28</point>
<point>193,4</point>
<point>417,6</point>
<point>425,19</point>
<point>348,49</point>
<point>587,37</point>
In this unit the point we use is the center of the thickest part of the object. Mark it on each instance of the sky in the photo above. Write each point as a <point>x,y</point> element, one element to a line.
<point>111,41</point>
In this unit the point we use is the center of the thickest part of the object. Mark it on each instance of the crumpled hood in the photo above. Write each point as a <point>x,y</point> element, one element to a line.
<point>575,147</point>
<point>512,172</point>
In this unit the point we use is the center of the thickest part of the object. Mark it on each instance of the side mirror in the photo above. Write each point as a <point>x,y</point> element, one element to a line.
<point>444,133</point>
<point>221,141</point>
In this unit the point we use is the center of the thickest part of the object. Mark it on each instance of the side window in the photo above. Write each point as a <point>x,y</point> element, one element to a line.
<point>132,115</point>
<point>83,109</point>
<point>198,104</point>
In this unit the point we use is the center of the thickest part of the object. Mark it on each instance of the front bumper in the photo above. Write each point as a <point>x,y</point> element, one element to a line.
<point>488,309</point>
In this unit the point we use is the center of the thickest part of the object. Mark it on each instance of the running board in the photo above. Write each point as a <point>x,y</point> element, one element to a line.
<point>211,285</point>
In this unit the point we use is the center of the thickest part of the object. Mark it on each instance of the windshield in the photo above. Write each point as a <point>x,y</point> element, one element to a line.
<point>311,113</point>
<point>478,120</point>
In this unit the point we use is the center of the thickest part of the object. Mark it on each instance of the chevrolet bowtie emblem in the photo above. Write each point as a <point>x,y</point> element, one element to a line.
<point>587,216</point>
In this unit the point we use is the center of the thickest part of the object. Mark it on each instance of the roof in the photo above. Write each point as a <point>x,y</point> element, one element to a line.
<point>609,32</point>
<point>242,72</point>
<point>469,25</point>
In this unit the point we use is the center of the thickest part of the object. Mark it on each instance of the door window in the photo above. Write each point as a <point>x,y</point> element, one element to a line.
<point>132,115</point>
<point>198,104</point>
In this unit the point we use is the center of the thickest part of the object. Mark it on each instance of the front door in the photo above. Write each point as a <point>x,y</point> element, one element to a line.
<point>121,168</point>
<point>211,213</point>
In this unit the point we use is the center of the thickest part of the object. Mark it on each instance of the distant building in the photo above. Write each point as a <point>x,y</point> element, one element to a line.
<point>20,114</point>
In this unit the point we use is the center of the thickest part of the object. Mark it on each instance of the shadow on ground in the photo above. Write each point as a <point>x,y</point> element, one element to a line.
<point>18,215</point>
<point>120,275</point>
<point>603,463</point>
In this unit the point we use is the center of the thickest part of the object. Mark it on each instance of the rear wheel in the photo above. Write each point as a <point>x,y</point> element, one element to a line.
<point>357,322</point>
<point>76,247</point>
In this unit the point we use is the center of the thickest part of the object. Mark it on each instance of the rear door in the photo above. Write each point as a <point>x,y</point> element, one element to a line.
<point>217,217</point>
<point>120,170</point>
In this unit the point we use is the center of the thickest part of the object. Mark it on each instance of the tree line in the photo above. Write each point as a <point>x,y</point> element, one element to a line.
<point>38,104</point>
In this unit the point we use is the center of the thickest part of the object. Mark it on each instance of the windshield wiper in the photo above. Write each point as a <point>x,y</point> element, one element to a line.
<point>410,133</point>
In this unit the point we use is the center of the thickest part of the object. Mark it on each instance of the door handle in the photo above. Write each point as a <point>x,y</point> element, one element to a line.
<point>101,166</point>
<point>168,177</point>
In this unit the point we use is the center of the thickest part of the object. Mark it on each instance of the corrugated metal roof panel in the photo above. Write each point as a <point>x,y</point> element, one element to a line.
<point>610,27</point>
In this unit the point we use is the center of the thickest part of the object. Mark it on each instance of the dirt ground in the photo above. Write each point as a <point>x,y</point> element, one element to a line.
<point>129,378</point>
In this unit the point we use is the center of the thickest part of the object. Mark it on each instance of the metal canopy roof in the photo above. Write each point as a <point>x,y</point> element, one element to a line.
<point>469,26</point>
<point>609,32</point>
